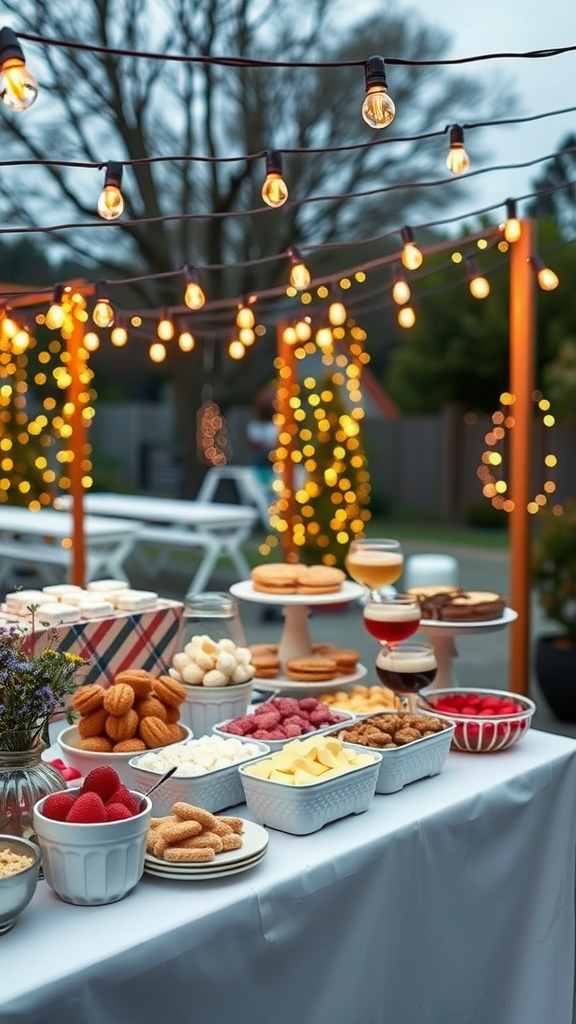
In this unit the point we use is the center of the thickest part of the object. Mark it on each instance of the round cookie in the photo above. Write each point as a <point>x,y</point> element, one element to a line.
<point>98,744</point>
<point>122,727</point>
<point>151,706</point>
<point>140,681</point>
<point>314,668</point>
<point>87,699</point>
<point>154,732</point>
<point>93,725</point>
<point>119,699</point>
<point>169,691</point>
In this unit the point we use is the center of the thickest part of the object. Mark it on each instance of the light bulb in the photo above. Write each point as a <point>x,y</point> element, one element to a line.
<point>337,314</point>
<point>165,328</point>
<point>245,317</point>
<point>9,327</point>
<point>411,256</point>
<point>303,330</point>
<point>193,296</point>
<point>289,336</point>
<point>324,337</point>
<point>274,190</point>
<point>18,87</point>
<point>157,352</point>
<point>479,287</point>
<point>20,341</point>
<point>378,109</point>
<point>186,341</point>
<point>406,316</point>
<point>119,336</point>
<point>102,314</point>
<point>91,341</point>
<point>236,349</point>
<point>111,202</point>
<point>457,160</point>
<point>547,279</point>
<point>512,227</point>
<point>400,287</point>
<point>246,336</point>
<point>55,315</point>
<point>299,273</point>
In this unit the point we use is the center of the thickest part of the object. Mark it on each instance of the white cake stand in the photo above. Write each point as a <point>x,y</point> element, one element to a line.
<point>295,641</point>
<point>443,634</point>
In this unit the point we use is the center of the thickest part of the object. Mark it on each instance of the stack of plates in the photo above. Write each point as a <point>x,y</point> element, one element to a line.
<point>253,850</point>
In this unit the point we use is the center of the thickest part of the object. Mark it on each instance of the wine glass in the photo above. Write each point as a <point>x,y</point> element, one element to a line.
<point>375,563</point>
<point>406,669</point>
<point>392,619</point>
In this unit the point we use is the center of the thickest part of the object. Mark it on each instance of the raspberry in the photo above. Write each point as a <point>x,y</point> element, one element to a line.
<point>88,809</point>
<point>122,795</point>
<point>264,708</point>
<point>102,780</point>
<point>286,706</point>
<point>292,729</point>
<point>57,806</point>
<point>279,733</point>
<point>319,717</point>
<point>308,704</point>
<point>247,724</point>
<point>117,812</point>
<point>234,729</point>
<point>268,721</point>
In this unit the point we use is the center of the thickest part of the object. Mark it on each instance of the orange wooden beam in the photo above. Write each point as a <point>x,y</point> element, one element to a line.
<point>285,390</point>
<point>75,349</point>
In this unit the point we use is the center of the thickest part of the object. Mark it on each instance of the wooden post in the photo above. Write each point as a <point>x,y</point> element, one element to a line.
<point>284,392</point>
<point>74,346</point>
<point>521,386</point>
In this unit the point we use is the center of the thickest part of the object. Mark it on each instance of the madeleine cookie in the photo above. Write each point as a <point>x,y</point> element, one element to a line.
<point>169,691</point>
<point>88,699</point>
<point>119,699</point>
<point>122,727</point>
<point>312,669</point>
<point>93,725</point>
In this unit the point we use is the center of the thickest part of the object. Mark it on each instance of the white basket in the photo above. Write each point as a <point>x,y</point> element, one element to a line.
<point>304,809</point>
<point>214,791</point>
<point>416,760</point>
<point>347,718</point>
<point>204,706</point>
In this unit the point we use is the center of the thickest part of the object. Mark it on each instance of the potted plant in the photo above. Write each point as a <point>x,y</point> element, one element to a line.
<point>554,576</point>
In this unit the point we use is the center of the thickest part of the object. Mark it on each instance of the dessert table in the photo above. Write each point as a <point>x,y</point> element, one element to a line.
<point>450,901</point>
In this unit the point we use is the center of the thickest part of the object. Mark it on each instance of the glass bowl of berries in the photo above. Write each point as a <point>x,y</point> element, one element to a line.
<point>485,720</point>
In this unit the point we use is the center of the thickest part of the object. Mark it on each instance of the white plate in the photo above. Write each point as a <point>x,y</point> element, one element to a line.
<point>254,841</point>
<point>176,868</point>
<point>486,625</point>
<point>235,869</point>
<point>349,591</point>
<point>303,689</point>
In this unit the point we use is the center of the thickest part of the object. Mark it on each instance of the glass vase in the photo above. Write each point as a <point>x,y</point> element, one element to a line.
<point>24,779</point>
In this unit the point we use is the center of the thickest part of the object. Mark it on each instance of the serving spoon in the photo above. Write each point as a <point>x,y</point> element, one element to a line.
<point>156,785</point>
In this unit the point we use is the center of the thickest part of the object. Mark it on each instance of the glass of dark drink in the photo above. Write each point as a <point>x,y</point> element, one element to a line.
<point>406,669</point>
<point>392,619</point>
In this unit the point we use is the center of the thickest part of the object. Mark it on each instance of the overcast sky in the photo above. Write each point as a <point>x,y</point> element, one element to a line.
<point>489,26</point>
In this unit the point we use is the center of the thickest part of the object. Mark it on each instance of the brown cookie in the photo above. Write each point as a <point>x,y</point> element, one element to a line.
<point>151,706</point>
<point>122,727</point>
<point>140,681</point>
<point>99,744</point>
<point>128,746</point>
<point>172,715</point>
<point>87,699</point>
<point>119,699</point>
<point>169,691</point>
<point>93,725</point>
<point>311,669</point>
<point>182,856</point>
<point>153,731</point>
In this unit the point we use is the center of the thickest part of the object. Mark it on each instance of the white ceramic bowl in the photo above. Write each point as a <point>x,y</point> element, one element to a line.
<point>90,865</point>
<point>214,791</point>
<point>16,891</point>
<point>86,760</point>
<point>204,706</point>
<point>304,809</point>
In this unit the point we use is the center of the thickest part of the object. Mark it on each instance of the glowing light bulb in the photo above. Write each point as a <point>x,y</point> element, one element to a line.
<point>9,327</point>
<point>406,316</point>
<point>324,337</point>
<point>378,108</point>
<point>274,189</point>
<point>299,273</point>
<point>246,336</point>
<point>457,160</point>
<point>512,227</point>
<point>165,328</point>
<point>546,277</point>
<point>186,341</point>
<point>102,314</point>
<point>91,341</point>
<point>289,336</point>
<point>56,316</point>
<point>157,352</point>
<point>111,201</point>
<point>236,349</point>
<point>411,256</point>
<point>20,341</point>
<point>193,296</point>
<point>245,316</point>
<point>478,285</point>
<point>337,314</point>
<point>18,87</point>
<point>119,336</point>
<point>400,288</point>
<point>303,330</point>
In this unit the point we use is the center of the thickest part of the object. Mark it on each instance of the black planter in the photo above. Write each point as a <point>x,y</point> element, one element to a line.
<point>556,671</point>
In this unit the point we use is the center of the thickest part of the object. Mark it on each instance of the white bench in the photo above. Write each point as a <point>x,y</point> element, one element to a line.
<point>251,490</point>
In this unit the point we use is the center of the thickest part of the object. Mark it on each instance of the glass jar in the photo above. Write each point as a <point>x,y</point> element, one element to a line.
<point>24,779</point>
<point>215,614</point>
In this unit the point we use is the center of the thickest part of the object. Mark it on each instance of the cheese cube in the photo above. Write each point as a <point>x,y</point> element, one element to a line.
<point>327,757</point>
<point>302,778</point>
<point>261,769</point>
<point>276,776</point>
<point>308,765</point>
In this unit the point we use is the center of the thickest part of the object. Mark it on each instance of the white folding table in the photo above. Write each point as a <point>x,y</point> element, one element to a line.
<point>44,539</point>
<point>170,523</point>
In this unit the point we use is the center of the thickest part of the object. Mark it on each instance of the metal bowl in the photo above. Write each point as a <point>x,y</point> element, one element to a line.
<point>17,890</point>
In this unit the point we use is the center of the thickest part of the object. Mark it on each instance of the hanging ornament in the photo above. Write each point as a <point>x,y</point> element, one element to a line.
<point>212,441</point>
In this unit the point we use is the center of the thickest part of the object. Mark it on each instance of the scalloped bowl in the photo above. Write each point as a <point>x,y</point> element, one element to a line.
<point>86,760</point>
<point>484,734</point>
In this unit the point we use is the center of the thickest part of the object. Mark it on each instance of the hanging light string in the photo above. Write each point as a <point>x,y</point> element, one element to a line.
<point>250,62</point>
<point>292,203</point>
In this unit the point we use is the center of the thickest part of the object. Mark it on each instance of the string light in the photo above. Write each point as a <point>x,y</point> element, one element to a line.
<point>406,316</point>
<point>274,189</point>
<point>337,313</point>
<point>186,341</point>
<point>20,341</point>
<point>512,227</point>
<point>479,286</point>
<point>245,316</point>
<point>236,349</point>
<point>400,287</point>
<point>378,108</point>
<point>157,352</point>
<point>457,160</point>
<point>91,341</point>
<point>56,316</point>
<point>412,258</point>
<point>102,314</point>
<point>246,336</point>
<point>299,273</point>
<point>289,336</point>
<point>111,202</point>
<point>193,295</point>
<point>165,328</point>
<point>119,336</point>
<point>324,338</point>
<point>546,277</point>
<point>18,88</point>
<point>303,330</point>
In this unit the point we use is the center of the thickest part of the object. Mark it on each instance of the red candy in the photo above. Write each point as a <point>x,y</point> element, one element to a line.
<point>88,809</point>
<point>471,704</point>
<point>283,718</point>
<point>57,806</point>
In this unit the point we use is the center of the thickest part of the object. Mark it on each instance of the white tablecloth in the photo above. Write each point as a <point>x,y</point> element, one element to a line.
<point>451,902</point>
